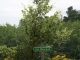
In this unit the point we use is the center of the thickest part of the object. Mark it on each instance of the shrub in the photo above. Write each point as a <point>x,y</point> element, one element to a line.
<point>58,57</point>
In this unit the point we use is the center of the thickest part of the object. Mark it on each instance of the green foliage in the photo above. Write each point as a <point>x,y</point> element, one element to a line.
<point>34,28</point>
<point>74,42</point>
<point>72,14</point>
<point>41,28</point>
<point>35,23</point>
<point>71,46</point>
<point>8,35</point>
<point>5,51</point>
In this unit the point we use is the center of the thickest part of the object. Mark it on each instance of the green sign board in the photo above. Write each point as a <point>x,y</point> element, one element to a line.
<point>44,49</point>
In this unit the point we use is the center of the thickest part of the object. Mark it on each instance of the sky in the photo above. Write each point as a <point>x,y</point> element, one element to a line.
<point>10,10</point>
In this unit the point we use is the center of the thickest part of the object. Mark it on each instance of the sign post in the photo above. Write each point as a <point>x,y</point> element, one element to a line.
<point>42,53</point>
<point>42,50</point>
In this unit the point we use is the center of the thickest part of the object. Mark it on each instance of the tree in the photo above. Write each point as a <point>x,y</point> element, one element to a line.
<point>74,43</point>
<point>35,23</point>
<point>72,14</point>
<point>8,35</point>
<point>41,28</point>
<point>7,52</point>
<point>71,46</point>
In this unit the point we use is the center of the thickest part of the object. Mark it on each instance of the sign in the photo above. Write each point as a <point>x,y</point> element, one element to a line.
<point>42,49</point>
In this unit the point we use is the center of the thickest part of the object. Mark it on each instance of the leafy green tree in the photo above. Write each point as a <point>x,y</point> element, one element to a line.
<point>7,52</point>
<point>35,24</point>
<point>72,14</point>
<point>71,46</point>
<point>11,35</point>
<point>74,43</point>
<point>40,28</point>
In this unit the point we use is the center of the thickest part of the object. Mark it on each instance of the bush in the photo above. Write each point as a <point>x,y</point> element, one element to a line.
<point>58,57</point>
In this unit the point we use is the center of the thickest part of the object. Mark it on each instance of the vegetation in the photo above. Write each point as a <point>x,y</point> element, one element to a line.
<point>16,43</point>
<point>73,15</point>
<point>58,57</point>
